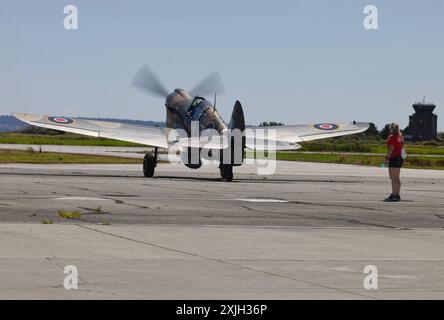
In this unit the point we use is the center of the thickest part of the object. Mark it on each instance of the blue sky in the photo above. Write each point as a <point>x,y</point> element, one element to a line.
<point>289,61</point>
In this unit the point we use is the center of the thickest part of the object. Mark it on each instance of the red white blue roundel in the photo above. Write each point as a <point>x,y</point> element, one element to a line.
<point>61,120</point>
<point>326,126</point>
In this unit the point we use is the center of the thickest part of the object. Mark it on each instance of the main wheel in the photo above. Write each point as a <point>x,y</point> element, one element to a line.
<point>222,173</point>
<point>226,172</point>
<point>149,163</point>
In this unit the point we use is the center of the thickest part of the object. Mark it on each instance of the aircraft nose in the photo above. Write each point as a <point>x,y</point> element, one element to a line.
<point>214,120</point>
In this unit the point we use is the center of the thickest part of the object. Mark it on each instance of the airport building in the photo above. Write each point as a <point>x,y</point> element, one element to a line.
<point>423,124</point>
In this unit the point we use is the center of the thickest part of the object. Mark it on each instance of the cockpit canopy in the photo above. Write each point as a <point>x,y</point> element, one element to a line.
<point>203,111</point>
<point>197,108</point>
<point>197,100</point>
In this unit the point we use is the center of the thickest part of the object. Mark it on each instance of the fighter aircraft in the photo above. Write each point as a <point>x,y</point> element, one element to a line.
<point>183,109</point>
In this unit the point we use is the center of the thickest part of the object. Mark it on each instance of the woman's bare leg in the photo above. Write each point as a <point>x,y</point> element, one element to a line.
<point>397,172</point>
<point>392,178</point>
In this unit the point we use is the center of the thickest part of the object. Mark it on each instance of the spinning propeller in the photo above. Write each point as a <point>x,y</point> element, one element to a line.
<point>147,81</point>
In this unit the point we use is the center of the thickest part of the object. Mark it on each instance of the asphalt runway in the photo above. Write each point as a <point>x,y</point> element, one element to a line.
<point>305,232</point>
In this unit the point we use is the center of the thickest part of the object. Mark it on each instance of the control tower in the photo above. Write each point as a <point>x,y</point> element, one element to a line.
<point>423,124</point>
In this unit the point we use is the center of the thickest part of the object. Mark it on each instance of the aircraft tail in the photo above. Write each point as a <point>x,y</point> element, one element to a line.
<point>237,120</point>
<point>237,129</point>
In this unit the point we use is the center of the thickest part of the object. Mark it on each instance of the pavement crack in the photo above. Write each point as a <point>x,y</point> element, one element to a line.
<point>338,206</point>
<point>114,294</point>
<point>118,201</point>
<point>351,221</point>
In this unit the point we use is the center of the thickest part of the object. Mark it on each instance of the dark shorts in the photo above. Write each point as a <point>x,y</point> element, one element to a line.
<point>396,162</point>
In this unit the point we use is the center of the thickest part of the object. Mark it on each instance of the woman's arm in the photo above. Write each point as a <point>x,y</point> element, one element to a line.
<point>390,151</point>
<point>389,154</point>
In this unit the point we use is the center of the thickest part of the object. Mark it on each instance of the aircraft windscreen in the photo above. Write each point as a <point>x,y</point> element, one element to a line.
<point>197,107</point>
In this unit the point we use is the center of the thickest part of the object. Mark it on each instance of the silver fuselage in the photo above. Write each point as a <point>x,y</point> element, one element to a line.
<point>182,109</point>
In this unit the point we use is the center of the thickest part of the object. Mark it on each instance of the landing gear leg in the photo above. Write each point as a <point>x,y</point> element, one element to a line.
<point>226,172</point>
<point>149,163</point>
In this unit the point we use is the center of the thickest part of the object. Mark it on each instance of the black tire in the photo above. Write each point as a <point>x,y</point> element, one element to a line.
<point>149,163</point>
<point>226,172</point>
<point>222,173</point>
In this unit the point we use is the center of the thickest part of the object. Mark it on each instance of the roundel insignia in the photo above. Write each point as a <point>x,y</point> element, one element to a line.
<point>326,126</point>
<point>61,120</point>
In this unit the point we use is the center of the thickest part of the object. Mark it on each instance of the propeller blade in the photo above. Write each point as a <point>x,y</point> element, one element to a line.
<point>209,86</point>
<point>147,81</point>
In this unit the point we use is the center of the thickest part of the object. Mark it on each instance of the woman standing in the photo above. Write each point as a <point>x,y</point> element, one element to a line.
<point>394,160</point>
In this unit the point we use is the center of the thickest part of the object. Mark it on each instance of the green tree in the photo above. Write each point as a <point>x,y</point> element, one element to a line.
<point>372,131</point>
<point>384,133</point>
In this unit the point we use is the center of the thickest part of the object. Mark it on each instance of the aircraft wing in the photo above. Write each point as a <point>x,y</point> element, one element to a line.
<point>288,137</point>
<point>146,135</point>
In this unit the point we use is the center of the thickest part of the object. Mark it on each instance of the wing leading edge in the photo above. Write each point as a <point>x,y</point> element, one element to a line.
<point>146,135</point>
<point>288,137</point>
